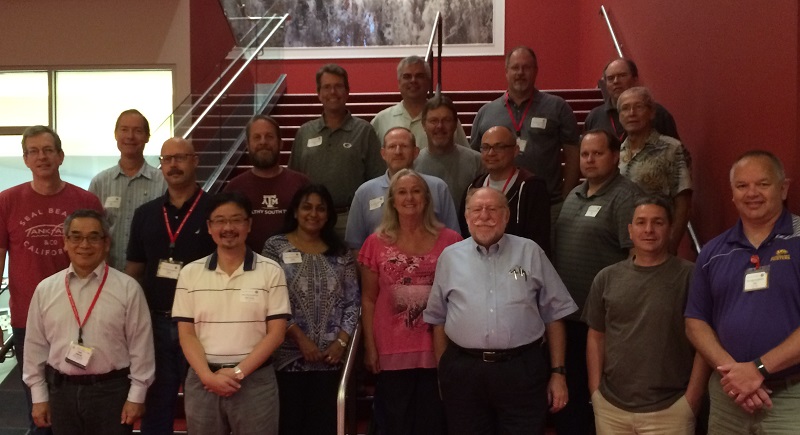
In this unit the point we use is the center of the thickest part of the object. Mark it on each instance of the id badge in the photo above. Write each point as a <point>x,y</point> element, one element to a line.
<point>593,210</point>
<point>113,202</point>
<point>248,295</point>
<point>169,269</point>
<point>314,142</point>
<point>375,203</point>
<point>78,355</point>
<point>292,257</point>
<point>756,279</point>
<point>522,143</point>
<point>539,123</point>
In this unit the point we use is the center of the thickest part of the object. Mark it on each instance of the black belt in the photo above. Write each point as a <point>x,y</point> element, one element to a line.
<point>54,377</point>
<point>782,384</point>
<point>497,355</point>
<point>162,313</point>
<point>214,367</point>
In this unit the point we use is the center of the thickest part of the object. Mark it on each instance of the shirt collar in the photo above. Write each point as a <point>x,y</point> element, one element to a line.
<point>98,271</point>
<point>493,249</point>
<point>582,192</point>
<point>188,203</point>
<point>145,171</point>
<point>248,265</point>
<point>783,226</point>
<point>347,125</point>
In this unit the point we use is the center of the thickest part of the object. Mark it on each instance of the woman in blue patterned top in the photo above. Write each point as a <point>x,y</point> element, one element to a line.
<point>325,299</point>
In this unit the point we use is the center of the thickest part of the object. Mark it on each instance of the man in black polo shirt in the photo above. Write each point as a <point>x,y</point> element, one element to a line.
<point>167,233</point>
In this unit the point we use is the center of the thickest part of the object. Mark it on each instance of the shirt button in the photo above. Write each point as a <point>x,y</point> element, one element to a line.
<point>491,310</point>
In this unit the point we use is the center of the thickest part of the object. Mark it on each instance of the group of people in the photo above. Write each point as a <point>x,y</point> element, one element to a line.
<point>493,286</point>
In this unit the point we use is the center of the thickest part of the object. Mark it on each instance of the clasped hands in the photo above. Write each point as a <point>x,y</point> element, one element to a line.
<point>743,383</point>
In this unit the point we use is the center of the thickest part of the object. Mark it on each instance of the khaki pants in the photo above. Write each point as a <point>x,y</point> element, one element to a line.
<point>727,418</point>
<point>678,419</point>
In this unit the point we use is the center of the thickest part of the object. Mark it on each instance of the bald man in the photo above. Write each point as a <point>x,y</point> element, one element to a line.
<point>167,233</point>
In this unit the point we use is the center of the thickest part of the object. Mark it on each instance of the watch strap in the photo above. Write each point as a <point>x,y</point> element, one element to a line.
<point>561,370</point>
<point>760,366</point>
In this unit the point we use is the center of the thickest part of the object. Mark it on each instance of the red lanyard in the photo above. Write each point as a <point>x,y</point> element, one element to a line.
<point>518,125</point>
<point>755,261</point>
<point>614,126</point>
<point>91,307</point>
<point>174,236</point>
<point>510,176</point>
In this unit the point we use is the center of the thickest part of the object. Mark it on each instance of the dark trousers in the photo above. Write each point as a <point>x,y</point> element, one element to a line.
<point>89,409</point>
<point>577,418</point>
<point>488,398</point>
<point>308,402</point>
<point>407,402</point>
<point>19,354</point>
<point>171,369</point>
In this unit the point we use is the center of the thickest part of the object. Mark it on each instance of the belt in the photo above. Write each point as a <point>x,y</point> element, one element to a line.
<point>498,355</point>
<point>161,313</point>
<point>54,377</point>
<point>214,367</point>
<point>782,384</point>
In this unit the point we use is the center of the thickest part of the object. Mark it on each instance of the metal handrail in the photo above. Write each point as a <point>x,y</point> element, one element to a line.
<point>347,370</point>
<point>689,228</point>
<point>436,32</point>
<point>199,101</point>
<point>610,29</point>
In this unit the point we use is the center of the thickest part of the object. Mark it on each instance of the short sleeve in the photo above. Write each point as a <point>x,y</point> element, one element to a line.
<point>368,255</point>
<point>594,311</point>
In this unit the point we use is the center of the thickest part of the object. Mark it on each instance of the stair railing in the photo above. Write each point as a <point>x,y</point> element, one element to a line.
<point>347,371</point>
<point>689,228</point>
<point>437,34</point>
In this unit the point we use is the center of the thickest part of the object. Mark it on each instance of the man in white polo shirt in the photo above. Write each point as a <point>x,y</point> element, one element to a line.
<point>231,308</point>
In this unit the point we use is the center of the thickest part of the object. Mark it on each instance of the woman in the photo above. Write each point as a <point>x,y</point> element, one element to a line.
<point>397,266</point>
<point>325,299</point>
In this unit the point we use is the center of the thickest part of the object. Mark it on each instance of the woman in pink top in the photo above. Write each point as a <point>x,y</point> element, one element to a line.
<point>397,266</point>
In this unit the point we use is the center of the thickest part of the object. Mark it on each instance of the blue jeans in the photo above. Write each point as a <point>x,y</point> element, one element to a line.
<point>19,354</point>
<point>171,368</point>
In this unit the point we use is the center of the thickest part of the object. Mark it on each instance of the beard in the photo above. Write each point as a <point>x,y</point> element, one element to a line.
<point>263,159</point>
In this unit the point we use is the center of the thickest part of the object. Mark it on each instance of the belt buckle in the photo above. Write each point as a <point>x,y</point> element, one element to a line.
<point>489,357</point>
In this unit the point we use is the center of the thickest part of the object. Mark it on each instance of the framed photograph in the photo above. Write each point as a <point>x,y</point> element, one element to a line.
<point>340,29</point>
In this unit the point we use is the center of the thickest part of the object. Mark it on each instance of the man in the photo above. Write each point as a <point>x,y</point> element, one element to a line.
<point>591,233</point>
<point>167,233</point>
<point>545,125</point>
<point>644,376</point>
<point>230,327</point>
<point>443,158</point>
<point>337,149</point>
<point>399,151</point>
<point>269,186</point>
<point>414,81</point>
<point>620,75</point>
<point>31,228</point>
<point>743,312</point>
<point>89,356</point>
<point>527,196</point>
<point>494,298</point>
<point>130,183</point>
<point>657,163</point>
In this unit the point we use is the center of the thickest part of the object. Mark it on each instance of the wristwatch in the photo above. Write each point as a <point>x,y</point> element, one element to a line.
<point>760,366</point>
<point>238,373</point>
<point>561,370</point>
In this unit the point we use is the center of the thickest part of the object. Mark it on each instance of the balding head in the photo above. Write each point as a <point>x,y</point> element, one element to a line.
<point>178,162</point>
<point>498,150</point>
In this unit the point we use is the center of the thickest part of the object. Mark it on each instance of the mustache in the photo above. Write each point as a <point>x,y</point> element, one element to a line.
<point>175,171</point>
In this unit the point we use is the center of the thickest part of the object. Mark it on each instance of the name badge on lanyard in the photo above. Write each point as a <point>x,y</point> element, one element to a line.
<point>756,278</point>
<point>169,268</point>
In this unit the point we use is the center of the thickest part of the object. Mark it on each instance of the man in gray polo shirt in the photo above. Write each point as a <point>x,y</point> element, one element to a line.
<point>544,124</point>
<point>591,233</point>
<point>337,149</point>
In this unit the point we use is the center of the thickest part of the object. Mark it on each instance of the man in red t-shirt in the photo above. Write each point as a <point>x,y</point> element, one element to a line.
<point>32,227</point>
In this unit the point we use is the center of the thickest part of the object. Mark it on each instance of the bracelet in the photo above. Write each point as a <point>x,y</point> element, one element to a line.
<point>342,342</point>
<point>760,366</point>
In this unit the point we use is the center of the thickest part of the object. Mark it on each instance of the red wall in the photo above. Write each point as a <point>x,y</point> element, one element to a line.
<point>211,40</point>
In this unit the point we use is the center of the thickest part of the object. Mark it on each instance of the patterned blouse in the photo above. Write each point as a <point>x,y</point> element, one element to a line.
<point>325,299</point>
<point>660,167</point>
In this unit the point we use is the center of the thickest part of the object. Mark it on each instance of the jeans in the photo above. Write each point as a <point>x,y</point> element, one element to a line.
<point>171,368</point>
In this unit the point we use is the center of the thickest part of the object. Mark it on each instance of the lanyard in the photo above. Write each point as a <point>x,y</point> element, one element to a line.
<point>174,236</point>
<point>755,261</point>
<point>91,307</point>
<point>614,126</point>
<point>510,176</point>
<point>518,125</point>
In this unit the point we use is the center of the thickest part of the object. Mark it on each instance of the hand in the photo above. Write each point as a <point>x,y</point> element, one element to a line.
<point>309,349</point>
<point>557,394</point>
<point>220,384</point>
<point>758,400</point>
<point>41,414</point>
<point>131,412</point>
<point>740,380</point>
<point>371,360</point>
<point>333,353</point>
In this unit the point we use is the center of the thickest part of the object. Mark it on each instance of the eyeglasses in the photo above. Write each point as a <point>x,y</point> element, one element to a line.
<point>485,148</point>
<point>636,107</point>
<point>488,209</point>
<point>234,221</point>
<point>178,158</point>
<point>77,239</point>
<point>35,152</point>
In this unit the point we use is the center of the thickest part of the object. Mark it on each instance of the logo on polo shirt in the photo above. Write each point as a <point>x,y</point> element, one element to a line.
<point>271,201</point>
<point>781,254</point>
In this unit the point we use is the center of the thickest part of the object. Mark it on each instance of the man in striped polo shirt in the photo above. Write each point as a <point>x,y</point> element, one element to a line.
<point>231,308</point>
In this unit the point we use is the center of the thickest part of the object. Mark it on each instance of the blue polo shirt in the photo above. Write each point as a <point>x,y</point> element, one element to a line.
<point>749,324</point>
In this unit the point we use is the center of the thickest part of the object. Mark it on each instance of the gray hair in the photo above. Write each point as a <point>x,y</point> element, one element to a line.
<point>413,60</point>
<point>91,214</point>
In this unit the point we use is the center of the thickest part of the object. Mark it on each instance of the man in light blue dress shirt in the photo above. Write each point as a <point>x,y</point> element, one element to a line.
<point>494,298</point>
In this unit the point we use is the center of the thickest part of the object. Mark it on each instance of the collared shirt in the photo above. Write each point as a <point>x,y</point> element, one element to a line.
<point>118,330</point>
<point>398,116</point>
<point>749,323</point>
<point>496,298</point>
<point>229,311</point>
<point>660,167</point>
<point>121,195</point>
<point>457,168</point>
<point>592,233</point>
<point>366,211</point>
<point>149,243</point>
<point>340,159</point>
<point>548,126</point>
<point>606,117</point>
